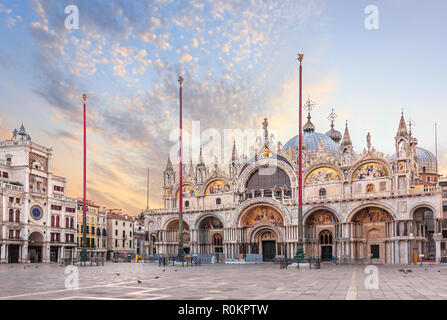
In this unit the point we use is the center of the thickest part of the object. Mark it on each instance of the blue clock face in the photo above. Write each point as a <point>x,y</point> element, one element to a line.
<point>36,213</point>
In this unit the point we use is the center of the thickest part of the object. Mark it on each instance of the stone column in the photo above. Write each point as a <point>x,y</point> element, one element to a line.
<point>438,239</point>
<point>3,253</point>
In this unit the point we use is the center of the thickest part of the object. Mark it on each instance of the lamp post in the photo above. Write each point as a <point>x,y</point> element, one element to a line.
<point>181,253</point>
<point>299,255</point>
<point>84,201</point>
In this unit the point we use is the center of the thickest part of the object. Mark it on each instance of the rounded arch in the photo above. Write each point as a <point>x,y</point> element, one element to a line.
<point>261,214</point>
<point>203,216</point>
<point>371,214</point>
<point>263,163</point>
<point>187,187</point>
<point>421,206</point>
<point>172,224</point>
<point>35,237</point>
<point>259,230</point>
<point>226,185</point>
<point>275,204</point>
<point>309,212</point>
<point>320,216</point>
<point>358,208</point>
<point>323,173</point>
<point>373,166</point>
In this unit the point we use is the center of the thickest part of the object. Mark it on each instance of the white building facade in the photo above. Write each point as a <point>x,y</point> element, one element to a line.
<point>357,206</point>
<point>38,222</point>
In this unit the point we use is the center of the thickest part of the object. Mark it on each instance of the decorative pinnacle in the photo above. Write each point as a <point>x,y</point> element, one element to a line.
<point>300,57</point>
<point>84,97</point>
<point>180,80</point>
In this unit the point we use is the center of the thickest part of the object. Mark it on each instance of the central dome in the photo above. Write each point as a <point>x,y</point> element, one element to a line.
<point>314,142</point>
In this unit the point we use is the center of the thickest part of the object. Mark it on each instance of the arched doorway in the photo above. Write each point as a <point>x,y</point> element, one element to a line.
<point>267,240</point>
<point>210,235</point>
<point>319,231</point>
<point>173,236</point>
<point>370,229</point>
<point>262,226</point>
<point>35,243</point>
<point>325,240</point>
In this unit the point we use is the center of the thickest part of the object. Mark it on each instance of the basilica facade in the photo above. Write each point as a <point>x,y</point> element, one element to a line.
<point>357,205</point>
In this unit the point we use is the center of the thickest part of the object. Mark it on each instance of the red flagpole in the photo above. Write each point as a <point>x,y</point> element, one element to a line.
<point>180,225</point>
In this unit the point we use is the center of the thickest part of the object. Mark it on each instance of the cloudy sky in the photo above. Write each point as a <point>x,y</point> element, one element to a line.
<point>238,59</point>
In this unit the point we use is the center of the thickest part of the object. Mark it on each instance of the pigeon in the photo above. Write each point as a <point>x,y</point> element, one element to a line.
<point>175,270</point>
<point>157,277</point>
<point>439,270</point>
<point>164,270</point>
<point>117,274</point>
<point>139,281</point>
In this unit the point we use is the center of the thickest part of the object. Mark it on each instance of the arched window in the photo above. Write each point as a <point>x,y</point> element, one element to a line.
<point>428,179</point>
<point>267,179</point>
<point>17,215</point>
<point>217,239</point>
<point>322,193</point>
<point>11,215</point>
<point>67,222</point>
<point>325,237</point>
<point>218,201</point>
<point>57,221</point>
<point>104,232</point>
<point>71,223</point>
<point>52,221</point>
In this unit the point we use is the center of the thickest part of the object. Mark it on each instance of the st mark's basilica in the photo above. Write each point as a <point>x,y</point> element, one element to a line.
<point>357,205</point>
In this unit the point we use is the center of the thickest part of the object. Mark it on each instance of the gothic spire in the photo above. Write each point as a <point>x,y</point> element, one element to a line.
<point>402,131</point>
<point>169,165</point>
<point>234,153</point>
<point>346,137</point>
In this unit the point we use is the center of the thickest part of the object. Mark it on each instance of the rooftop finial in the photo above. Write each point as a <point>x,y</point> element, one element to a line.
<point>266,132</point>
<point>332,118</point>
<point>180,80</point>
<point>309,105</point>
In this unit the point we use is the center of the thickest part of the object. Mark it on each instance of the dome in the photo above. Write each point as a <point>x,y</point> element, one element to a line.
<point>315,142</point>
<point>427,160</point>
<point>334,135</point>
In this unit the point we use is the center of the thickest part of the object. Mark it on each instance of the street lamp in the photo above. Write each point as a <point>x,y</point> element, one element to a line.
<point>84,204</point>
<point>299,255</point>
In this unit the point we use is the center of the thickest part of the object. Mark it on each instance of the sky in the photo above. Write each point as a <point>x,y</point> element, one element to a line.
<point>239,64</point>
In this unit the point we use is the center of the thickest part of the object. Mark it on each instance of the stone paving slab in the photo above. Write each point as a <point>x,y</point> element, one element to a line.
<point>253,282</point>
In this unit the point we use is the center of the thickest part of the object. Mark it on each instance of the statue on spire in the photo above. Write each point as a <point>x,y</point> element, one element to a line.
<point>266,132</point>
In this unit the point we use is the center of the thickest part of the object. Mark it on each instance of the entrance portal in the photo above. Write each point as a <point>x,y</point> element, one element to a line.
<point>326,253</point>
<point>13,253</point>
<point>35,254</point>
<point>268,250</point>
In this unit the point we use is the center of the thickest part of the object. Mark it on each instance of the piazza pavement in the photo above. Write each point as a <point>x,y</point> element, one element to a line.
<point>148,281</point>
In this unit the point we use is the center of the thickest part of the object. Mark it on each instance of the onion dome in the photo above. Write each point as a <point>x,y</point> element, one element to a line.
<point>333,134</point>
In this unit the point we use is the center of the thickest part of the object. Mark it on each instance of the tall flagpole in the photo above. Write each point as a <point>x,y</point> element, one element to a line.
<point>300,247</point>
<point>180,204</point>
<point>84,199</point>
